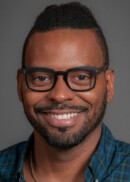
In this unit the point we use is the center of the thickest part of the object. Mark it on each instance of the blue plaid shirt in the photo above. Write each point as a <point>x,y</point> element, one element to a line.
<point>110,162</point>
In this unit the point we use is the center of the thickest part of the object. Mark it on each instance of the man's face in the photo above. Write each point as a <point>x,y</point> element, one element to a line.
<point>63,117</point>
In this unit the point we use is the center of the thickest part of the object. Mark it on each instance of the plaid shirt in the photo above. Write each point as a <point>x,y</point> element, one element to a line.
<point>110,162</point>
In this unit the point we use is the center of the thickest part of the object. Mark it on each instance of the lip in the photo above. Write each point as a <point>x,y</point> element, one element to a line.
<point>71,118</point>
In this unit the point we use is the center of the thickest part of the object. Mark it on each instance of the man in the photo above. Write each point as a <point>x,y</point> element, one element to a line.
<point>64,85</point>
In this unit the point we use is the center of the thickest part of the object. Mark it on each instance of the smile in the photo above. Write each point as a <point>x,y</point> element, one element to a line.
<point>63,116</point>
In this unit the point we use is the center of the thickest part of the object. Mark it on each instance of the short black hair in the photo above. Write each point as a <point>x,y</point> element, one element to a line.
<point>71,15</point>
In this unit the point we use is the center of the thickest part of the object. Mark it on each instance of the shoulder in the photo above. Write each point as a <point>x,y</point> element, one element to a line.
<point>115,145</point>
<point>118,157</point>
<point>118,150</point>
<point>119,169</point>
<point>9,158</point>
<point>122,147</point>
<point>122,155</point>
<point>12,148</point>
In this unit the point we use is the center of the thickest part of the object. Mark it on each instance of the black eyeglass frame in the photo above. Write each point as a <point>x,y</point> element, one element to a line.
<point>95,70</point>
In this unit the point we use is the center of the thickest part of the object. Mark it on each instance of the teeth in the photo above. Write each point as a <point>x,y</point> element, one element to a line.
<point>63,116</point>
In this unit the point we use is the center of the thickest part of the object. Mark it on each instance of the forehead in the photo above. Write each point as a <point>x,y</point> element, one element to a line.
<point>72,47</point>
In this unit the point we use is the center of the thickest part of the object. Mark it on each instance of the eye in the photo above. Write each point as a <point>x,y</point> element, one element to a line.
<point>82,77</point>
<point>40,78</point>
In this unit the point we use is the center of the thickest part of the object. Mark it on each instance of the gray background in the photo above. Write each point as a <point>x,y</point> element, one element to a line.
<point>16,18</point>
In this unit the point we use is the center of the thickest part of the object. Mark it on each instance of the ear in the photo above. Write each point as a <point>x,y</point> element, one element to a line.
<point>110,78</point>
<point>19,84</point>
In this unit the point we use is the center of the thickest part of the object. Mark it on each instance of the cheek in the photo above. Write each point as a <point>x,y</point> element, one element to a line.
<point>31,98</point>
<point>94,97</point>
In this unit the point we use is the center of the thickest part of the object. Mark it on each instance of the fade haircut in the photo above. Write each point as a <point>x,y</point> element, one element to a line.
<point>71,15</point>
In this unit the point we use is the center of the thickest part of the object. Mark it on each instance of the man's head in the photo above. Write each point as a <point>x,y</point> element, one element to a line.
<point>64,38</point>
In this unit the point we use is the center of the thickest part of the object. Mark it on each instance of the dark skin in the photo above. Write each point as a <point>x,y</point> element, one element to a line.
<point>60,50</point>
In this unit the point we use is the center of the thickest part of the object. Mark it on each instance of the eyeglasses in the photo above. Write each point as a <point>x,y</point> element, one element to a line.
<point>77,79</point>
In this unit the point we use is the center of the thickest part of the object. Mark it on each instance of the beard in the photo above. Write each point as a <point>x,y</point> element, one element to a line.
<point>65,139</point>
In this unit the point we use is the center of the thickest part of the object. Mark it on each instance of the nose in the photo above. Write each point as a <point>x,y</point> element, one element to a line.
<point>61,92</point>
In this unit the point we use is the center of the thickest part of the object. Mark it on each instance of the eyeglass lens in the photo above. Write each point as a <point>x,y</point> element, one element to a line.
<point>40,80</point>
<point>81,79</point>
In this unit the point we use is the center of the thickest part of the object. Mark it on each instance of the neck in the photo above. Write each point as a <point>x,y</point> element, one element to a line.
<point>56,162</point>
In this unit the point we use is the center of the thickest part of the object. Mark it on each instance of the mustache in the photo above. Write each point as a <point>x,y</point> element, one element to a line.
<point>39,109</point>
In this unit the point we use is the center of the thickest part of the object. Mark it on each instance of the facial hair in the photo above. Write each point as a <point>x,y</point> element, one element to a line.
<point>65,139</point>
